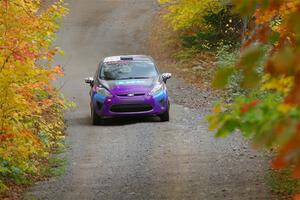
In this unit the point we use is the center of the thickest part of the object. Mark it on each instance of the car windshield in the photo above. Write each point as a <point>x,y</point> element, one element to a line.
<point>127,70</point>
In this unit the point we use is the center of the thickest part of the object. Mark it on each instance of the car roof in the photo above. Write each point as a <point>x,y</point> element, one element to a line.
<point>128,57</point>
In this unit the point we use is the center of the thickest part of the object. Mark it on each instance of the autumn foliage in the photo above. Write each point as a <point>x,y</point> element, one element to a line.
<point>202,24</point>
<point>185,14</point>
<point>270,63</point>
<point>31,108</point>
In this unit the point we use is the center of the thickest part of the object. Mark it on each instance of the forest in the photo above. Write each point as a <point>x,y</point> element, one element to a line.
<point>254,43</point>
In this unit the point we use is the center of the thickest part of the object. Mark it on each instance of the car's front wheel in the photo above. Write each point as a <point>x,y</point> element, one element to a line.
<point>96,119</point>
<point>165,117</point>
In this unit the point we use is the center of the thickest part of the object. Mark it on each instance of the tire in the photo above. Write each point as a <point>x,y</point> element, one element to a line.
<point>165,117</point>
<point>96,119</point>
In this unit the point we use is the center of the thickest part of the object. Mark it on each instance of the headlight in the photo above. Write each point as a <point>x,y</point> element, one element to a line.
<point>157,89</point>
<point>102,91</point>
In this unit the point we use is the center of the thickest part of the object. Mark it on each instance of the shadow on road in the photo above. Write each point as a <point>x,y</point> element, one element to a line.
<point>122,121</point>
<point>118,121</point>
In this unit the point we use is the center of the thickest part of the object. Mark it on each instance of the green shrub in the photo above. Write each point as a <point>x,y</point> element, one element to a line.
<point>221,28</point>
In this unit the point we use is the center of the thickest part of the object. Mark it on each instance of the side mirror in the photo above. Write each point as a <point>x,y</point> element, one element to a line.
<point>89,80</point>
<point>166,76</point>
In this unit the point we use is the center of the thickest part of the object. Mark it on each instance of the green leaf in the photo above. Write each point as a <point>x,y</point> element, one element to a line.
<point>251,80</point>
<point>274,37</point>
<point>228,127</point>
<point>222,77</point>
<point>251,57</point>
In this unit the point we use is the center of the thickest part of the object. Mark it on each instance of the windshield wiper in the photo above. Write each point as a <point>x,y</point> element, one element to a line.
<point>107,78</point>
<point>134,78</point>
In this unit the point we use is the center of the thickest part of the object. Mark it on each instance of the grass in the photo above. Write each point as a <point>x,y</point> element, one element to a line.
<point>282,185</point>
<point>56,166</point>
<point>28,196</point>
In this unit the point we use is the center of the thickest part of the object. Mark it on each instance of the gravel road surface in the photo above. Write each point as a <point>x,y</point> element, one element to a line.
<point>140,158</point>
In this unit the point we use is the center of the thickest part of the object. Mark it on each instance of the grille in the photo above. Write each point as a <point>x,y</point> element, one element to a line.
<point>131,108</point>
<point>126,95</point>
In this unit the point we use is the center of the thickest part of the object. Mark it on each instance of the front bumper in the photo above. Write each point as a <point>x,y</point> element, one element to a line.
<point>117,106</point>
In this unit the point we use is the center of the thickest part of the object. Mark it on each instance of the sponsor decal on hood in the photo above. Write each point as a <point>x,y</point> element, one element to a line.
<point>132,82</point>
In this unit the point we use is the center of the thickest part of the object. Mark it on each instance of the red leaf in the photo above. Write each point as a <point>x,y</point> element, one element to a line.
<point>279,163</point>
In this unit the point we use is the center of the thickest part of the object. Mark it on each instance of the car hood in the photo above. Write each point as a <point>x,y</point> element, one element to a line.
<point>129,86</point>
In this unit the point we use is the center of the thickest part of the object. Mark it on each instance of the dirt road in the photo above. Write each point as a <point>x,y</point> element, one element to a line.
<point>140,158</point>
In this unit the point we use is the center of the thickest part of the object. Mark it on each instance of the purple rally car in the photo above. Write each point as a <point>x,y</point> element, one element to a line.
<point>128,86</point>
